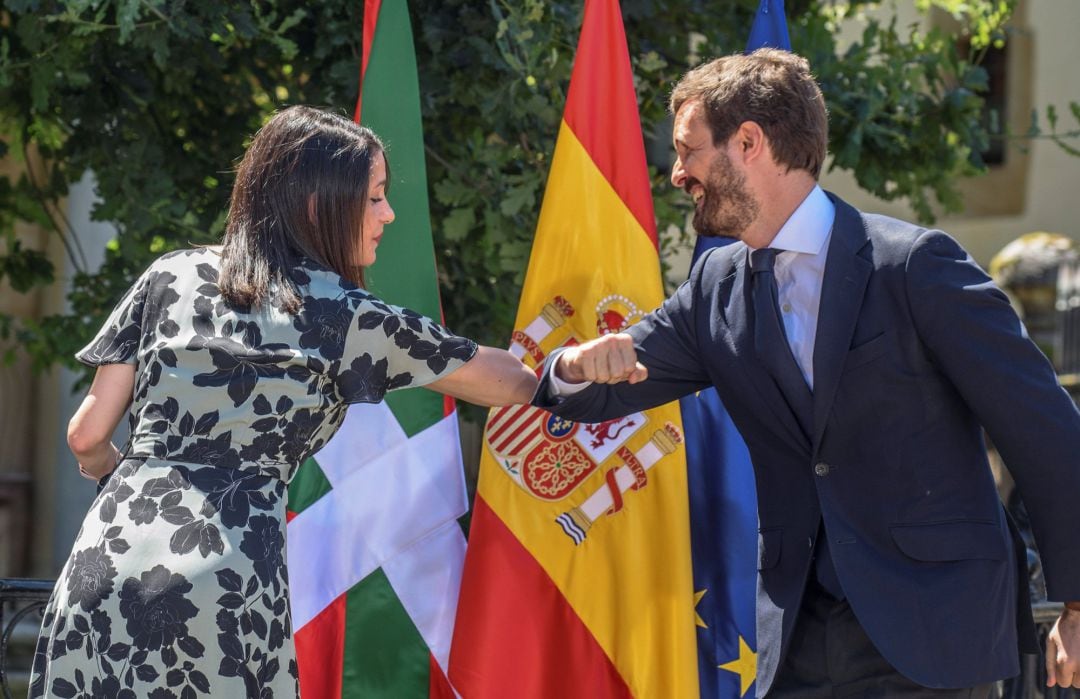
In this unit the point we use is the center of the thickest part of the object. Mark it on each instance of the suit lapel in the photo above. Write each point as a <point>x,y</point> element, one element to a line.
<point>739,312</point>
<point>842,289</point>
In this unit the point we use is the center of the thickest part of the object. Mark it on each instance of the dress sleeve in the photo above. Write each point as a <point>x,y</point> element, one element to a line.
<point>389,347</point>
<point>117,342</point>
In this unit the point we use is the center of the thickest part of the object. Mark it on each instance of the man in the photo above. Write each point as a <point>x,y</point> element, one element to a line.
<point>858,355</point>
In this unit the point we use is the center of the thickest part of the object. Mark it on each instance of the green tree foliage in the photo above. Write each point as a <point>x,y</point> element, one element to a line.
<point>157,99</point>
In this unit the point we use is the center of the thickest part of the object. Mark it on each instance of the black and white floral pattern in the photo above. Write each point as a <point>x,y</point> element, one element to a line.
<point>176,586</point>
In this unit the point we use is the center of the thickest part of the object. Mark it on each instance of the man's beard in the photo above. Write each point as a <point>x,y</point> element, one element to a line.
<point>727,208</point>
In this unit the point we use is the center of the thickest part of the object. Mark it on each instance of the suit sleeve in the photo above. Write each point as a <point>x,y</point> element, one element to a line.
<point>666,343</point>
<point>976,339</point>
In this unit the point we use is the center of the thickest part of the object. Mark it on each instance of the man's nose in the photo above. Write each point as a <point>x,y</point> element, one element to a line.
<point>678,174</point>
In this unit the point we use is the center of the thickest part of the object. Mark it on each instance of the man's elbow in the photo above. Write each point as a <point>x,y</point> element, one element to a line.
<point>582,407</point>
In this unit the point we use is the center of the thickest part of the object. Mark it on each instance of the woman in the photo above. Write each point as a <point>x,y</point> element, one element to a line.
<point>237,364</point>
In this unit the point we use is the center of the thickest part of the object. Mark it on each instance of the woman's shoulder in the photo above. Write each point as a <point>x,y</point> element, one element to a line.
<point>323,290</point>
<point>317,281</point>
<point>176,265</point>
<point>208,257</point>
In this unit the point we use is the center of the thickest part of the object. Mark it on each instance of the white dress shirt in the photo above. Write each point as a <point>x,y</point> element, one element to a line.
<point>803,242</point>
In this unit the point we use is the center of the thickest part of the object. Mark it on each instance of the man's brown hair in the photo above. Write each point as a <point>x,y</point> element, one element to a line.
<point>770,87</point>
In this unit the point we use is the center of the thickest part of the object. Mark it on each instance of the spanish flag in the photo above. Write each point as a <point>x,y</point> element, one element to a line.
<point>577,579</point>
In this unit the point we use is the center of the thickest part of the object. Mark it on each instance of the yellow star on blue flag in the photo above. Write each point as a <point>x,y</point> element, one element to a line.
<point>745,666</point>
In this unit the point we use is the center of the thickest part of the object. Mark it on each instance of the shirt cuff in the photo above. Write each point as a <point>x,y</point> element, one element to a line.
<point>561,389</point>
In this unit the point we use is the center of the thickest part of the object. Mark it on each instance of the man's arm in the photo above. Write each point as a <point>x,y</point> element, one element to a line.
<point>977,341</point>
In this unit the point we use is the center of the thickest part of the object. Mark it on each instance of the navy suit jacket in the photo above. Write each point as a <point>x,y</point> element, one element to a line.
<point>916,351</point>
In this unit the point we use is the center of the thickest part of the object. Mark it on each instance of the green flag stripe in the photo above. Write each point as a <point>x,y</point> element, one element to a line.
<point>308,485</point>
<point>414,409</point>
<point>404,271</point>
<point>385,655</point>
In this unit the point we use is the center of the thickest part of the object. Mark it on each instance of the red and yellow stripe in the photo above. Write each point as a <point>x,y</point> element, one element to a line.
<point>613,617</point>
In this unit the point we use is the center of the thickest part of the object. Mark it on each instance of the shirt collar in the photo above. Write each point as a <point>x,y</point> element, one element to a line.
<point>807,229</point>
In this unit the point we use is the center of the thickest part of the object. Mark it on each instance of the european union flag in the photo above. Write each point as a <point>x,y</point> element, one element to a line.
<point>723,500</point>
<point>769,28</point>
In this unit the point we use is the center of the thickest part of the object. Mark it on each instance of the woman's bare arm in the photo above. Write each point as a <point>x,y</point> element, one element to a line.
<point>492,377</point>
<point>90,430</point>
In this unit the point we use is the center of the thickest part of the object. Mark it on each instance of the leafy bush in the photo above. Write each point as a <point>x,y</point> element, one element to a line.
<point>157,99</point>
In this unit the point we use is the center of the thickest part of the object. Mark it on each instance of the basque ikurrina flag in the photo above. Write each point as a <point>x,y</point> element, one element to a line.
<point>577,579</point>
<point>723,500</point>
<point>375,549</point>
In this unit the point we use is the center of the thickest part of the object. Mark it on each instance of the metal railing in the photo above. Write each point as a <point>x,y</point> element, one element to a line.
<point>24,597</point>
<point>30,596</point>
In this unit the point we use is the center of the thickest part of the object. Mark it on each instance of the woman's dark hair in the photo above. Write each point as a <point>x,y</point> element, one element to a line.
<point>301,191</point>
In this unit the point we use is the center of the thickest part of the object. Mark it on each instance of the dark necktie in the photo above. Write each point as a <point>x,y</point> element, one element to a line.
<point>771,346</point>
<point>771,343</point>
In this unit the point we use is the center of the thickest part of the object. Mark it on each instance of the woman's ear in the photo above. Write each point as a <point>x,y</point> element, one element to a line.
<point>312,212</point>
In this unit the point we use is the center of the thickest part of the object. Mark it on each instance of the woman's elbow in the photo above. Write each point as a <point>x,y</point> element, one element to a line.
<point>525,385</point>
<point>514,387</point>
<point>82,439</point>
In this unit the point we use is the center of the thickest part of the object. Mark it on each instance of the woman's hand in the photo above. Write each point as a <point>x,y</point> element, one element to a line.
<point>96,469</point>
<point>492,377</point>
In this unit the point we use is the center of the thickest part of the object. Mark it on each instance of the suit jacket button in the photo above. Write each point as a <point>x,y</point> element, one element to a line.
<point>821,469</point>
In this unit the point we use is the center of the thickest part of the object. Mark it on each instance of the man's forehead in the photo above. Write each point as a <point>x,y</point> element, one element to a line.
<point>688,119</point>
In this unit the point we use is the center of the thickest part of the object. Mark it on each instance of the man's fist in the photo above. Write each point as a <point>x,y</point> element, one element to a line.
<point>607,359</point>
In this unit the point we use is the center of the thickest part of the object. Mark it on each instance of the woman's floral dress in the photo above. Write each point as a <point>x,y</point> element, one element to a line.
<point>176,585</point>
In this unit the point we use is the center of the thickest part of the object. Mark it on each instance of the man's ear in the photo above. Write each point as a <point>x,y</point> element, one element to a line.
<point>750,141</point>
